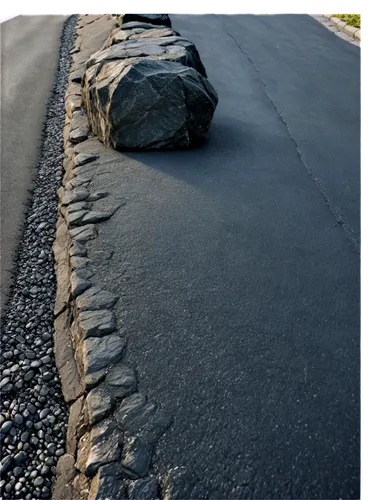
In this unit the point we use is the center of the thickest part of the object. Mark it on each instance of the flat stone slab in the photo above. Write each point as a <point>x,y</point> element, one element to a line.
<point>108,483</point>
<point>96,298</point>
<point>136,457</point>
<point>98,354</point>
<point>121,380</point>
<point>157,19</point>
<point>143,489</point>
<point>96,323</point>
<point>99,403</point>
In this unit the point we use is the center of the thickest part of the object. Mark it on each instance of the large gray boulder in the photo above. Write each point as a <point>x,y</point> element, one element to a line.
<point>171,48</point>
<point>137,31</point>
<point>158,19</point>
<point>148,104</point>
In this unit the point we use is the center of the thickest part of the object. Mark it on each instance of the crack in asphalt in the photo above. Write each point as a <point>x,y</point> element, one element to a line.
<point>353,238</point>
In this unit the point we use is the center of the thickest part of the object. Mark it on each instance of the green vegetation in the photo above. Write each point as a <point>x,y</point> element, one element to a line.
<point>351,19</point>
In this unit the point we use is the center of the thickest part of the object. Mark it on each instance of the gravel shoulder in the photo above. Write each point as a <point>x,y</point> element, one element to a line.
<point>29,48</point>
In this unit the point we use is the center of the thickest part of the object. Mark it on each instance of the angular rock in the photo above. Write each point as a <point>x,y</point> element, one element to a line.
<point>81,487</point>
<point>77,207</point>
<point>95,217</point>
<point>84,233</point>
<point>99,404</point>
<point>77,181</point>
<point>101,446</point>
<point>135,421</point>
<point>83,159</point>
<point>98,354</point>
<point>76,218</point>
<point>157,19</point>
<point>143,489</point>
<point>74,195</point>
<point>136,457</point>
<point>129,406</point>
<point>169,48</point>
<point>77,75</point>
<point>98,195</point>
<point>121,380</point>
<point>107,483</point>
<point>78,135</point>
<point>79,262</point>
<point>96,298</point>
<point>96,323</point>
<point>79,281</point>
<point>156,425</point>
<point>77,250</point>
<point>150,104</point>
<point>65,473</point>
<point>136,31</point>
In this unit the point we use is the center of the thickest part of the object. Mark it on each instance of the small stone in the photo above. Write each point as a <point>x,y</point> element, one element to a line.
<point>136,457</point>
<point>6,426</point>
<point>29,375</point>
<point>18,419</point>
<point>121,380</point>
<point>44,413</point>
<point>6,462</point>
<point>38,481</point>
<point>96,323</point>
<point>17,471</point>
<point>20,457</point>
<point>47,376</point>
<point>4,382</point>
<point>99,404</point>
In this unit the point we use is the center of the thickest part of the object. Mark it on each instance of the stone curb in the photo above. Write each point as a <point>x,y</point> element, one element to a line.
<point>112,428</point>
<point>346,28</point>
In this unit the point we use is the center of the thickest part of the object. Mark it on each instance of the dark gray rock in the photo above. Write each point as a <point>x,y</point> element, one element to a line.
<point>107,483</point>
<point>95,217</point>
<point>121,380</point>
<point>181,483</point>
<point>164,48</point>
<point>129,406</point>
<point>84,233</point>
<point>136,457</point>
<point>157,19</point>
<point>99,404</point>
<point>154,104</point>
<point>101,446</point>
<point>78,135</point>
<point>98,354</point>
<point>75,195</point>
<point>96,298</point>
<point>143,489</point>
<point>96,323</point>
<point>83,159</point>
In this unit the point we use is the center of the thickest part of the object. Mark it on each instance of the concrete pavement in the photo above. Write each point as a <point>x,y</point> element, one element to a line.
<point>29,56</point>
<point>237,265</point>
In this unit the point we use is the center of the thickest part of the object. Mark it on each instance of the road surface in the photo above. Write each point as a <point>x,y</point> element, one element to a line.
<point>237,266</point>
<point>29,57</point>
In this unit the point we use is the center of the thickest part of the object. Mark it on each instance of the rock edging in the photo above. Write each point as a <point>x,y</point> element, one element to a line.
<point>112,428</point>
<point>346,28</point>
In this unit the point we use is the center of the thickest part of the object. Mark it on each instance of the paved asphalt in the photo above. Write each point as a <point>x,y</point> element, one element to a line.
<point>29,56</point>
<point>238,266</point>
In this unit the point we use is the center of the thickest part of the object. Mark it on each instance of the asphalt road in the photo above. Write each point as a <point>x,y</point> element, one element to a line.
<point>238,270</point>
<point>29,56</point>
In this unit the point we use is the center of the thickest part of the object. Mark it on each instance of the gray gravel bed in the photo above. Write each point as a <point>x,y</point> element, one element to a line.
<point>33,412</point>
